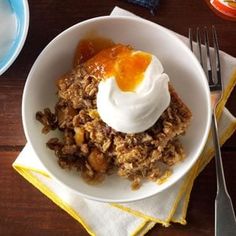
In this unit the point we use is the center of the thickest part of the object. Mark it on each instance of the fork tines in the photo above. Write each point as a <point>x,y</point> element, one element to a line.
<point>210,60</point>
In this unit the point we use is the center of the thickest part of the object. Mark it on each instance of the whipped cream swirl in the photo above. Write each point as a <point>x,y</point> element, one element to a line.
<point>134,111</point>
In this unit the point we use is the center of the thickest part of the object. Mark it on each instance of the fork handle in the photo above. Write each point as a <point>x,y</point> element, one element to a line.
<point>221,185</point>
<point>225,222</point>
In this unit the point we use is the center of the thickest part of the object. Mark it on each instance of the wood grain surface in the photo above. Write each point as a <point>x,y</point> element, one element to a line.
<point>23,209</point>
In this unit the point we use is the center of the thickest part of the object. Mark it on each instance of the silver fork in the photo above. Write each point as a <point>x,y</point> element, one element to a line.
<point>225,222</point>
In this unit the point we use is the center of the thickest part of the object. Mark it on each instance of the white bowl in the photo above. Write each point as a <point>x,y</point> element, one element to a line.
<point>179,63</point>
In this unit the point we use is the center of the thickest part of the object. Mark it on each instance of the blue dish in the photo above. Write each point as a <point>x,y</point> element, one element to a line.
<point>21,10</point>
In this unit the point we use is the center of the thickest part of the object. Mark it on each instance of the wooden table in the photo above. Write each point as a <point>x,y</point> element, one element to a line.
<point>23,209</point>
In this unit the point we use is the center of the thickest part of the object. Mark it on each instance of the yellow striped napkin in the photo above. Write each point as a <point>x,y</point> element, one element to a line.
<point>135,218</point>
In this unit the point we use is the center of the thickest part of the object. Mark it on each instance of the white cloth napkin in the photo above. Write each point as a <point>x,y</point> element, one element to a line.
<point>136,218</point>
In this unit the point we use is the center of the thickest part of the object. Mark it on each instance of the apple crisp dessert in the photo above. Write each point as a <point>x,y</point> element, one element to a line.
<point>95,149</point>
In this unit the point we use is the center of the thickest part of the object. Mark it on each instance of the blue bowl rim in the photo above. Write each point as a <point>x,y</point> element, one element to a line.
<point>20,40</point>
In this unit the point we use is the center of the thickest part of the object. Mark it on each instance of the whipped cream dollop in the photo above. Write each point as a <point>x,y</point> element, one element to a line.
<point>134,111</point>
